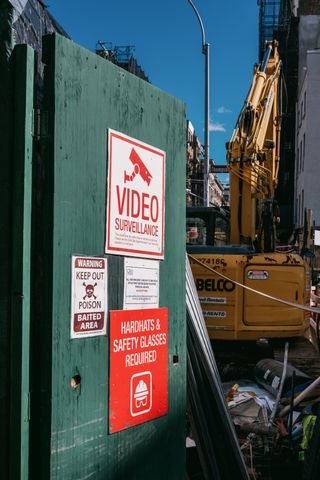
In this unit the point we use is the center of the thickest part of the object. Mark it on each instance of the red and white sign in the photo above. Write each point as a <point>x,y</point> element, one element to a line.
<point>138,367</point>
<point>136,188</point>
<point>89,297</point>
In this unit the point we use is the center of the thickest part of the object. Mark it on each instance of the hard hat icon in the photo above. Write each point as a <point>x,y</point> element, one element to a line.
<point>141,394</point>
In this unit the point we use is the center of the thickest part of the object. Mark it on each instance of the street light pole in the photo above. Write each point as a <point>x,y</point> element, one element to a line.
<point>206,167</point>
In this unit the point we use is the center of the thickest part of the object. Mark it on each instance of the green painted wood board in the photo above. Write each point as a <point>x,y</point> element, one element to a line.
<point>6,132</point>
<point>85,95</point>
<point>16,99</point>
<point>21,260</point>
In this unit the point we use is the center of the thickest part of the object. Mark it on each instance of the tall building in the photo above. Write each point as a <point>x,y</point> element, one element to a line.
<point>194,168</point>
<point>216,191</point>
<point>296,25</point>
<point>195,175</point>
<point>307,168</point>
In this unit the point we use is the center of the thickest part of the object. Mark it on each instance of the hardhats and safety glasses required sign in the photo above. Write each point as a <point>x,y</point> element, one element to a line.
<point>89,305</point>
<point>138,367</point>
<point>136,198</point>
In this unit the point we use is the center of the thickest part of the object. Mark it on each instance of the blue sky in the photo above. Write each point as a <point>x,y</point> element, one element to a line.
<point>167,40</point>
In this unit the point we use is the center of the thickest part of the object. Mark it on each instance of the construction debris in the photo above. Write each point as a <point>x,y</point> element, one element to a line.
<point>275,414</point>
<point>274,435</point>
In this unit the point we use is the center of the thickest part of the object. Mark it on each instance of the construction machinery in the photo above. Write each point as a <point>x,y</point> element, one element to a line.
<point>247,286</point>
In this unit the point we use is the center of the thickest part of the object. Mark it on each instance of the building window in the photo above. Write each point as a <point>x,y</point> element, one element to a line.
<point>302,208</point>
<point>303,150</point>
<point>300,163</point>
<point>297,163</point>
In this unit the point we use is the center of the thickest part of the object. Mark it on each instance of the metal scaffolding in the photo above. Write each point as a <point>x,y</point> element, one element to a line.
<point>269,14</point>
<point>278,21</point>
<point>123,56</point>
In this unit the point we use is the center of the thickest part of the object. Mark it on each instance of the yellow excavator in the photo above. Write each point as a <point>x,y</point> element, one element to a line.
<point>233,259</point>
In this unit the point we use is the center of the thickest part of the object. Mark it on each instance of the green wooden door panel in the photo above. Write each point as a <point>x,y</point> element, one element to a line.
<point>85,95</point>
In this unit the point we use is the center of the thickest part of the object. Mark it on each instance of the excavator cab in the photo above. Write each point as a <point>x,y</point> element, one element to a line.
<point>207,226</point>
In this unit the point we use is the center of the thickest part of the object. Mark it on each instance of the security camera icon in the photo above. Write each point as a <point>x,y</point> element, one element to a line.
<point>139,168</point>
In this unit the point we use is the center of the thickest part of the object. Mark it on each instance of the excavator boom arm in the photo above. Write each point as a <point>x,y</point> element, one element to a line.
<point>253,157</point>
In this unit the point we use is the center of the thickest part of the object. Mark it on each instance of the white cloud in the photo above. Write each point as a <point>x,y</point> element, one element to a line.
<point>216,127</point>
<point>223,109</point>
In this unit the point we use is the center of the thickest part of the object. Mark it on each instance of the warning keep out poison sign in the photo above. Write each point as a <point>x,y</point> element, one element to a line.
<point>135,210</point>
<point>138,366</point>
<point>88,296</point>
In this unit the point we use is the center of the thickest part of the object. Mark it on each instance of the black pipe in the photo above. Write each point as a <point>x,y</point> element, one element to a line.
<point>266,58</point>
<point>290,420</point>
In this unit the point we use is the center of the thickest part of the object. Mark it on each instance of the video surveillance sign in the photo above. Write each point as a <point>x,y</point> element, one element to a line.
<point>136,198</point>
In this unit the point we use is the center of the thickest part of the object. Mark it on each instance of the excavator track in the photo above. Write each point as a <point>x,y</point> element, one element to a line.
<point>237,359</point>
<point>303,354</point>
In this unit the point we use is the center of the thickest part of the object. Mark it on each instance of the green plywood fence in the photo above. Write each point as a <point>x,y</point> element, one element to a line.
<point>86,95</point>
